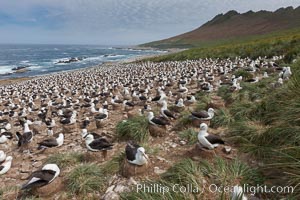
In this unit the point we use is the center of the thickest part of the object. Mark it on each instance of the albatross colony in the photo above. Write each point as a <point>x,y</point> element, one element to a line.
<point>60,110</point>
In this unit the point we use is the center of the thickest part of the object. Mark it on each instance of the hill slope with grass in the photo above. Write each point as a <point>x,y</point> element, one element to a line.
<point>234,25</point>
<point>284,43</point>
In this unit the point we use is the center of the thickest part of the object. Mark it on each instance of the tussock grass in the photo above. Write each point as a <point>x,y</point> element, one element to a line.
<point>230,173</point>
<point>222,118</point>
<point>113,166</point>
<point>152,150</point>
<point>224,92</point>
<point>201,94</point>
<point>185,172</point>
<point>133,129</point>
<point>271,129</point>
<point>183,122</point>
<point>202,103</point>
<point>286,43</point>
<point>86,178</point>
<point>33,198</point>
<point>66,159</point>
<point>171,195</point>
<point>242,110</point>
<point>9,192</point>
<point>190,135</point>
<point>90,177</point>
<point>243,73</point>
<point>246,135</point>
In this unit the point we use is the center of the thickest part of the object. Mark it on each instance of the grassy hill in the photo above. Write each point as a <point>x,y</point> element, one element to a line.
<point>233,25</point>
<point>280,43</point>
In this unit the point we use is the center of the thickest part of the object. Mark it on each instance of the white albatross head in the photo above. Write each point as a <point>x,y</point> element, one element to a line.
<point>150,115</point>
<point>52,167</point>
<point>141,151</point>
<point>84,133</point>
<point>203,127</point>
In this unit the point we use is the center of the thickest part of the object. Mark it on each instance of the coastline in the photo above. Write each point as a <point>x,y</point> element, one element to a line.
<point>137,58</point>
<point>142,57</point>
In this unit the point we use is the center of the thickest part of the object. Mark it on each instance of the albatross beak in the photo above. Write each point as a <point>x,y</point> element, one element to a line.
<point>146,156</point>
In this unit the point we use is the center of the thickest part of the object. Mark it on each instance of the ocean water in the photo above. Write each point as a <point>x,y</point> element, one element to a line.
<point>43,59</point>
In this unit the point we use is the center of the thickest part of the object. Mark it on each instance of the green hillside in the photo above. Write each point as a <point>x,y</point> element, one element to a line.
<point>281,43</point>
<point>233,25</point>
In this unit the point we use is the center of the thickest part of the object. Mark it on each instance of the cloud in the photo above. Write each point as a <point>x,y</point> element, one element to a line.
<point>113,21</point>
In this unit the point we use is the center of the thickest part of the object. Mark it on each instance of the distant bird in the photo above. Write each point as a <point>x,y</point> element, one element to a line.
<point>207,87</point>
<point>147,108</point>
<point>102,116</point>
<point>182,89</point>
<point>99,144</point>
<point>286,73</point>
<point>51,142</point>
<point>116,100</point>
<point>3,121</point>
<point>142,97</point>
<point>128,104</point>
<point>265,75</point>
<point>160,97</point>
<point>4,136</point>
<point>165,112</point>
<point>7,126</point>
<point>26,137</point>
<point>180,103</point>
<point>203,115</point>
<point>50,131</point>
<point>278,83</point>
<point>86,122</point>
<point>5,166</point>
<point>94,109</point>
<point>191,99</point>
<point>135,154</point>
<point>85,133</point>
<point>156,121</point>
<point>66,121</point>
<point>50,123</point>
<point>105,105</point>
<point>209,141</point>
<point>2,156</point>
<point>252,80</point>
<point>42,177</point>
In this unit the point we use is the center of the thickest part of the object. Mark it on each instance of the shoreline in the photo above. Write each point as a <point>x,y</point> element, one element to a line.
<point>12,80</point>
<point>137,58</point>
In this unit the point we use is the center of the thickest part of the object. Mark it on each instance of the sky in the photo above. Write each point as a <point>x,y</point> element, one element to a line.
<point>113,22</point>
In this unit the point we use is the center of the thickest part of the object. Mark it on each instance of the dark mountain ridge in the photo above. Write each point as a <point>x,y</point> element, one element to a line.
<point>235,25</point>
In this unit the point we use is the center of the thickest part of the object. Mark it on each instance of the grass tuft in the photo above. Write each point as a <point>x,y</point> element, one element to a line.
<point>9,192</point>
<point>66,159</point>
<point>133,129</point>
<point>190,135</point>
<point>230,173</point>
<point>222,118</point>
<point>86,178</point>
<point>183,122</point>
<point>113,165</point>
<point>185,172</point>
<point>241,72</point>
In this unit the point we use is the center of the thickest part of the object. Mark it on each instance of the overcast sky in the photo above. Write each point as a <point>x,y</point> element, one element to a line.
<point>113,22</point>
